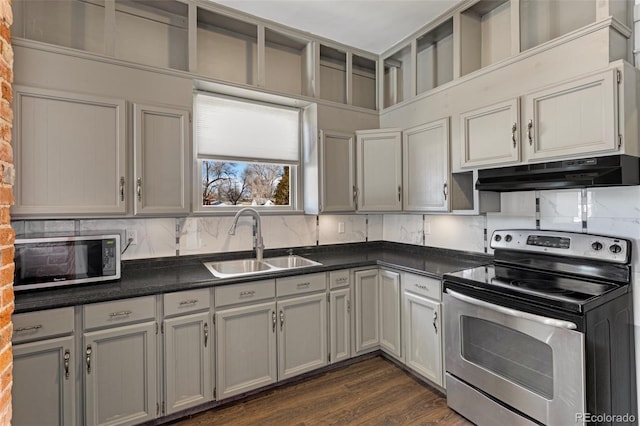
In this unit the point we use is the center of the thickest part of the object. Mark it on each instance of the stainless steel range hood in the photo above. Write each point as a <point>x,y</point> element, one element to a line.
<point>612,170</point>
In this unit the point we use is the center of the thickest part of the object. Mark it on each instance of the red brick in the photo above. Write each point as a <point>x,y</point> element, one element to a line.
<point>6,71</point>
<point>5,319</point>
<point>5,109</point>
<point>5,128</point>
<point>5,216</point>
<point>6,152</point>
<point>7,236</point>
<point>7,92</point>
<point>7,294</point>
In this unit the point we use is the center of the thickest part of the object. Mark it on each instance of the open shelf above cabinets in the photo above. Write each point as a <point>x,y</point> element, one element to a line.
<point>434,57</point>
<point>363,82</point>
<point>288,62</point>
<point>333,74</point>
<point>227,48</point>
<point>397,77</point>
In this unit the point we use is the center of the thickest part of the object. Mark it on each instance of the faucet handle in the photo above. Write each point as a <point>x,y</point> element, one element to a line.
<point>290,252</point>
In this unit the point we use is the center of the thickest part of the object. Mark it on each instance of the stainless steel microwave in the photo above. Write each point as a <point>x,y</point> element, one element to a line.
<point>48,261</point>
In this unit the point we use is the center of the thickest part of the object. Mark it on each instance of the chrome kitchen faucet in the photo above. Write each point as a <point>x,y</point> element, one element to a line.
<point>258,244</point>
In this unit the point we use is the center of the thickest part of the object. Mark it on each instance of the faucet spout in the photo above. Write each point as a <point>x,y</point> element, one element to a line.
<point>258,243</point>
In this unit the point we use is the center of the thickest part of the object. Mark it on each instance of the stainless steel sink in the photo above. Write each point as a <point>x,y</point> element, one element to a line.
<point>234,268</point>
<point>241,267</point>
<point>292,261</point>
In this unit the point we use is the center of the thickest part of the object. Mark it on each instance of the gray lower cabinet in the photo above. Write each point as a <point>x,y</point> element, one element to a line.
<point>187,366</point>
<point>43,390</point>
<point>340,324</point>
<point>367,313</point>
<point>119,346</point>
<point>245,348</point>
<point>44,368</point>
<point>390,320</point>
<point>302,336</point>
<point>423,327</point>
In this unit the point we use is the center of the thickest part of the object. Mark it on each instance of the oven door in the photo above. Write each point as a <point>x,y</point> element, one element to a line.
<point>531,363</point>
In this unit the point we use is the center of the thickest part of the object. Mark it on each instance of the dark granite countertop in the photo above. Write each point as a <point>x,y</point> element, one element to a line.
<point>156,276</point>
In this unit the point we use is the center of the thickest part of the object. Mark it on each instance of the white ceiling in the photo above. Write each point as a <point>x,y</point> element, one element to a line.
<point>371,25</point>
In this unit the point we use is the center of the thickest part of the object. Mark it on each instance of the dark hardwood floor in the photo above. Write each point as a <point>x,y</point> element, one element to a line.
<point>370,392</point>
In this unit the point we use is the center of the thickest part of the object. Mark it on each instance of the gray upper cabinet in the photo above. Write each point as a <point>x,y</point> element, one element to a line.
<point>161,147</point>
<point>70,153</point>
<point>337,158</point>
<point>379,165</point>
<point>425,170</point>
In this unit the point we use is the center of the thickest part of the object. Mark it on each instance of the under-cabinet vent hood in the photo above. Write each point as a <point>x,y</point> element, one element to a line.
<point>582,173</point>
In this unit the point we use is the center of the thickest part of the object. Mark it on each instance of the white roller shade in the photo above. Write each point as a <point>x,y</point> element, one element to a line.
<point>233,128</point>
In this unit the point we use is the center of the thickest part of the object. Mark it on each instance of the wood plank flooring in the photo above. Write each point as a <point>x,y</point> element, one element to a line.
<point>370,392</point>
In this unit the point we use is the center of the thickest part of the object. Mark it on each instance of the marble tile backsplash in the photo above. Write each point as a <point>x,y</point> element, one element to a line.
<point>609,211</point>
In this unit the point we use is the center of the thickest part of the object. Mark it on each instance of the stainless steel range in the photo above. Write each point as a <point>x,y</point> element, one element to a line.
<point>544,335</point>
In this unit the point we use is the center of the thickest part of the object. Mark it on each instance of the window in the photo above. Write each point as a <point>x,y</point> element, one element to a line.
<point>248,153</point>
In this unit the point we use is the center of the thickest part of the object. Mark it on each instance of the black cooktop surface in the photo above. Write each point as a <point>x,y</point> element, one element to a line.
<point>550,290</point>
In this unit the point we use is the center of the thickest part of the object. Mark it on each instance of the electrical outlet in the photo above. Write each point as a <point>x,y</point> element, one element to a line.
<point>340,227</point>
<point>132,235</point>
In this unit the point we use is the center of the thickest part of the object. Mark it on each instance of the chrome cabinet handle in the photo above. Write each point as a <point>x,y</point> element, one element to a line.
<point>303,285</point>
<point>281,319</point>
<point>445,190</point>
<point>355,194</point>
<point>139,189</point>
<point>512,312</point>
<point>435,320</point>
<point>66,357</point>
<point>514,127</point>
<point>88,353</point>
<point>273,320</point>
<point>247,293</point>
<point>30,328</point>
<point>120,314</point>
<point>206,334</point>
<point>422,287</point>
<point>529,132</point>
<point>189,302</point>
<point>348,306</point>
<point>121,188</point>
<point>399,193</point>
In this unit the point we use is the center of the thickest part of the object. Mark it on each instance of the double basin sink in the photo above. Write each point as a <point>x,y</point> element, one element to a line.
<point>241,267</point>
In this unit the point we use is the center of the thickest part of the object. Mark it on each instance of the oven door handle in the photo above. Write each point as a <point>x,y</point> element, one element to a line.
<point>512,312</point>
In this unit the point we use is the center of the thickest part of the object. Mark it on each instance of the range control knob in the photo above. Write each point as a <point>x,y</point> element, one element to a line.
<point>508,238</point>
<point>596,246</point>
<point>497,238</point>
<point>615,248</point>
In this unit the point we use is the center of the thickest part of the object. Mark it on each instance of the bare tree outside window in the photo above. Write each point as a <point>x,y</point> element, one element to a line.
<point>238,183</point>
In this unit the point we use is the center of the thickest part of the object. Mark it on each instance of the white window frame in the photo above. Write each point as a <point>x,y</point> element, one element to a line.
<point>295,173</point>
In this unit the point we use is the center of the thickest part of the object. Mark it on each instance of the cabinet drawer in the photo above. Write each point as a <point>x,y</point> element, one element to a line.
<point>243,293</point>
<point>119,312</point>
<point>338,279</point>
<point>301,284</point>
<point>41,324</point>
<point>424,286</point>
<point>186,301</point>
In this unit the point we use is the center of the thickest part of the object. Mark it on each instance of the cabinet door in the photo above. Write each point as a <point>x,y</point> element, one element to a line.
<point>302,337</point>
<point>490,135</point>
<point>423,337</point>
<point>340,325</point>
<point>120,375</point>
<point>379,157</point>
<point>425,151</point>
<point>187,370</point>
<point>44,380</point>
<point>161,141</point>
<point>245,348</point>
<point>390,331</point>
<point>579,117</point>
<point>367,329</point>
<point>70,153</point>
<point>337,171</point>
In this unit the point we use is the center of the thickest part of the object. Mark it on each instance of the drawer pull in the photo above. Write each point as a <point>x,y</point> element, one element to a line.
<point>120,314</point>
<point>206,334</point>
<point>189,302</point>
<point>281,319</point>
<point>274,320</point>
<point>422,287</point>
<point>30,328</point>
<point>88,353</point>
<point>67,357</point>
<point>249,293</point>
<point>303,285</point>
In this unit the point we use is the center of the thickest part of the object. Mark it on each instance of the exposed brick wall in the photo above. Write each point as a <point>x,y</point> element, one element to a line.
<point>7,235</point>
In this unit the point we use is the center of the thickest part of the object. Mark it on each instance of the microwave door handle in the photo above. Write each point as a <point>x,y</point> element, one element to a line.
<point>512,312</point>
